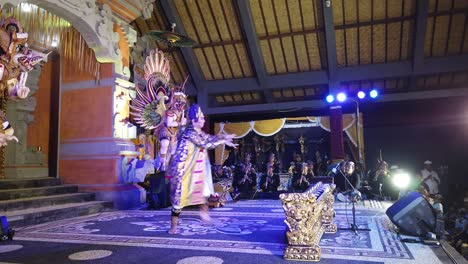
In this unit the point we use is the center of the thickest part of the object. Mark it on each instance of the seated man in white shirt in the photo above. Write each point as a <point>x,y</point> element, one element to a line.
<point>430,178</point>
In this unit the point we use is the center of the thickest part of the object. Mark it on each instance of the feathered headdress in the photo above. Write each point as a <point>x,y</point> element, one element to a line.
<point>11,21</point>
<point>157,69</point>
<point>149,106</point>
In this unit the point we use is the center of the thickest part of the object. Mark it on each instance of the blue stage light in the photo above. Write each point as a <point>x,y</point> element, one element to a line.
<point>341,97</point>
<point>330,98</point>
<point>361,95</point>
<point>374,93</point>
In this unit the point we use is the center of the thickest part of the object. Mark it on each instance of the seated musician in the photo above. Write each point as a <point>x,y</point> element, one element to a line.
<point>246,181</point>
<point>379,179</point>
<point>270,181</point>
<point>271,162</point>
<point>239,169</point>
<point>217,172</point>
<point>341,171</point>
<point>301,180</point>
<point>311,168</point>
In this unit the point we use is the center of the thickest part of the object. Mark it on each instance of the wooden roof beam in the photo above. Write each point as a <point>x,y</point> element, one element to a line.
<point>321,104</point>
<point>355,73</point>
<point>268,96</point>
<point>404,68</point>
<point>422,9</point>
<point>266,107</point>
<point>330,43</point>
<point>247,23</point>
<point>310,78</point>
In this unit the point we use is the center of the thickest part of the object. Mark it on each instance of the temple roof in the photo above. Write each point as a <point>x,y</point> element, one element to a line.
<point>264,55</point>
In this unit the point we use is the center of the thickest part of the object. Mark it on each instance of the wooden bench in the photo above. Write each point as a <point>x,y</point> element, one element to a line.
<point>308,216</point>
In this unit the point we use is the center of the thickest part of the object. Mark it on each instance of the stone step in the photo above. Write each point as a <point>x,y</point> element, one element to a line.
<point>8,184</point>
<point>34,192</point>
<point>44,214</point>
<point>39,201</point>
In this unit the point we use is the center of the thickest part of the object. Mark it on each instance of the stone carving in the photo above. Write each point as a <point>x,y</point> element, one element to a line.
<point>16,61</point>
<point>95,23</point>
<point>146,8</point>
<point>139,52</point>
<point>21,114</point>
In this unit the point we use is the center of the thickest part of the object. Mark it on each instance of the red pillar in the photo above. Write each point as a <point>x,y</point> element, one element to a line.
<point>336,133</point>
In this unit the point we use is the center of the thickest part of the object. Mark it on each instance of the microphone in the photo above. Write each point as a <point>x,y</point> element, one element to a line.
<point>356,195</point>
<point>336,168</point>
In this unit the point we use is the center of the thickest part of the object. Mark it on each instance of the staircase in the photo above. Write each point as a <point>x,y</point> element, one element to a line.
<point>33,201</point>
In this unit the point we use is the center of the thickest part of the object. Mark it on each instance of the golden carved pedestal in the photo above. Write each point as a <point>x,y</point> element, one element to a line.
<point>308,216</point>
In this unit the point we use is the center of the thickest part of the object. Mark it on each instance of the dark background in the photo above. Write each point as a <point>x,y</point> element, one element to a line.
<point>406,132</point>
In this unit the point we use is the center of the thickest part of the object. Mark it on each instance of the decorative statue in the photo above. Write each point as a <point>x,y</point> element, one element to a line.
<point>16,60</point>
<point>160,107</point>
<point>173,119</point>
<point>7,131</point>
<point>259,157</point>
<point>283,147</point>
<point>277,140</point>
<point>302,142</point>
<point>279,147</point>
<point>242,148</point>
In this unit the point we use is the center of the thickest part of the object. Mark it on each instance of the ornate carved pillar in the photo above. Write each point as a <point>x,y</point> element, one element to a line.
<point>22,161</point>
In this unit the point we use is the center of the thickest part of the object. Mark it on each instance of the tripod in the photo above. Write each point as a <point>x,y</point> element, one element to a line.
<point>355,195</point>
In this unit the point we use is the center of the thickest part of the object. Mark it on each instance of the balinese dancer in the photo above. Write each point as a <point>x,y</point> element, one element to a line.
<point>190,171</point>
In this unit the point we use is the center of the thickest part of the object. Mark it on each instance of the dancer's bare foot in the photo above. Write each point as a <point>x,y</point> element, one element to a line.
<point>174,222</point>
<point>204,214</point>
<point>173,230</point>
<point>205,217</point>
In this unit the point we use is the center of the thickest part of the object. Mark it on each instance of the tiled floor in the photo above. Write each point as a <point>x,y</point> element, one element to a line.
<point>244,232</point>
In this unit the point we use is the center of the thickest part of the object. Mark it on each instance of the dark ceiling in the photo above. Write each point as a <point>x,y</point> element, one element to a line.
<point>260,56</point>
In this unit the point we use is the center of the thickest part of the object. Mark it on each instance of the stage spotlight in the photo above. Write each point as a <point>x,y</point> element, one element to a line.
<point>401,180</point>
<point>374,93</point>
<point>361,95</point>
<point>330,98</point>
<point>341,97</point>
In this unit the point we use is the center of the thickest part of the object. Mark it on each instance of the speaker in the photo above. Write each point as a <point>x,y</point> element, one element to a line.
<point>413,215</point>
<point>5,231</point>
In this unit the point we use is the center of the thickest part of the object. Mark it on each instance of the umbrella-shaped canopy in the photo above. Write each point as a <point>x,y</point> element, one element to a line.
<point>171,38</point>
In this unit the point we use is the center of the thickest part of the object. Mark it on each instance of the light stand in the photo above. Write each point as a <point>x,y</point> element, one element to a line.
<point>355,193</point>
<point>358,141</point>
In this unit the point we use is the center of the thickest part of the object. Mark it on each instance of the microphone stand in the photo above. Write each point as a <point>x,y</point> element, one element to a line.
<point>354,193</point>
